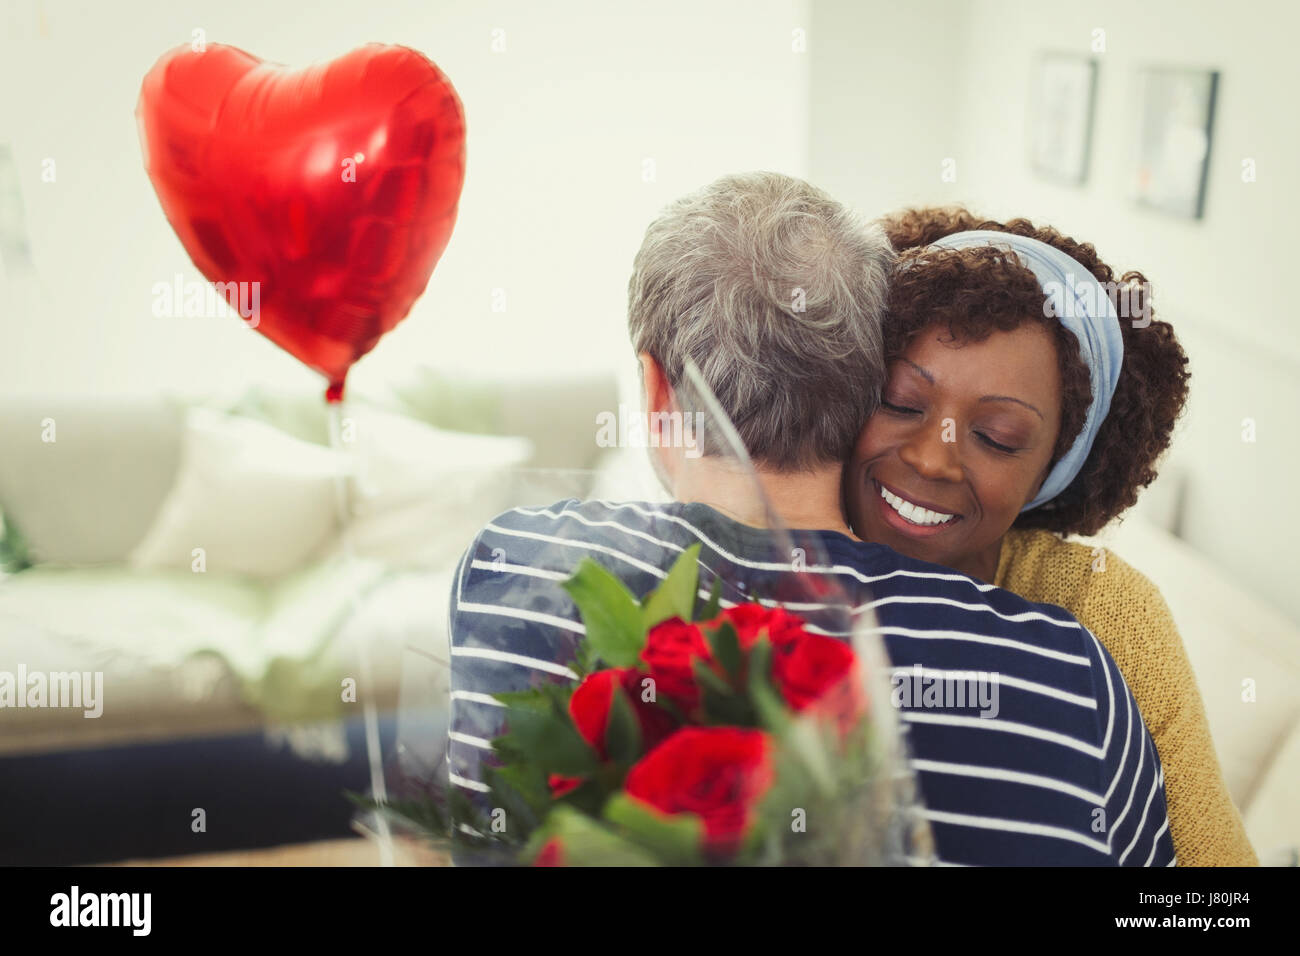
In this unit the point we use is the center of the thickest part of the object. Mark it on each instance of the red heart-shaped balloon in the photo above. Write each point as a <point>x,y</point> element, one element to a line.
<point>334,187</point>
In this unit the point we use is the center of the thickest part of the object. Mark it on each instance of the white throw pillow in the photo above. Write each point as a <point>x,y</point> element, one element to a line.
<point>263,503</point>
<point>257,501</point>
<point>422,493</point>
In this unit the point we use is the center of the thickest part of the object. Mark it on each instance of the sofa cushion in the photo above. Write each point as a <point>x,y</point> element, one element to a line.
<point>1245,654</point>
<point>255,500</point>
<point>200,653</point>
<point>1273,821</point>
<point>420,494</point>
<point>89,495</point>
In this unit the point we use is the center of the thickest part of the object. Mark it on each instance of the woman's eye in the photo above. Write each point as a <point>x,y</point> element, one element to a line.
<point>997,446</point>
<point>899,409</point>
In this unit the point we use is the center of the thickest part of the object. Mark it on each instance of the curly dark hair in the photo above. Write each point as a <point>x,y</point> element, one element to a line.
<point>976,291</point>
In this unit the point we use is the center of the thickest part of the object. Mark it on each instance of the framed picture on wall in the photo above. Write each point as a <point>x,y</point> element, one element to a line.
<point>1173,141</point>
<point>1062,88</point>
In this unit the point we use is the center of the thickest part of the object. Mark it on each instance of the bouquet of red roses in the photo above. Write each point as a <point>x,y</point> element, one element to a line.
<point>693,736</point>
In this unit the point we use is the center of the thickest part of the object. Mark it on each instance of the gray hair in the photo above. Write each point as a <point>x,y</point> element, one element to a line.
<point>777,293</point>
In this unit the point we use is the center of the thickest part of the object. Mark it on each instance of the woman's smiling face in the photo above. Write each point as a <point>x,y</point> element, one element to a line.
<point>961,442</point>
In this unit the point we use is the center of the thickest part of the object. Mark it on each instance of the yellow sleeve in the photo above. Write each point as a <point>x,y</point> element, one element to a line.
<point>1131,619</point>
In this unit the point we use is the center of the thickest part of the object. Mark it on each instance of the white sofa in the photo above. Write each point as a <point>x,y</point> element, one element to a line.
<point>262,634</point>
<point>1246,656</point>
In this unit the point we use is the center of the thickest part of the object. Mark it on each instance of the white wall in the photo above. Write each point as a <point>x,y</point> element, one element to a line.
<point>554,204</point>
<point>957,78</point>
<point>1222,271</point>
<point>884,113</point>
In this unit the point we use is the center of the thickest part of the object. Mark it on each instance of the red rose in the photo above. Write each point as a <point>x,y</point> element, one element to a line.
<point>820,674</point>
<point>719,773</point>
<point>551,853</point>
<point>810,670</point>
<point>589,707</point>
<point>750,620</point>
<point>560,784</point>
<point>807,667</point>
<point>672,647</point>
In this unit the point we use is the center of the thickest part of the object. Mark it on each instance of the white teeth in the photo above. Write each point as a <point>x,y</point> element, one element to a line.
<point>913,512</point>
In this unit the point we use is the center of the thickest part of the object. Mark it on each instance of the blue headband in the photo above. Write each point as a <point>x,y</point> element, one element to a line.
<point>1083,307</point>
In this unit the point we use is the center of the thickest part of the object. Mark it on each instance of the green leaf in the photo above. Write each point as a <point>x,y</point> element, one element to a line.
<point>584,660</point>
<point>715,601</point>
<point>520,791</point>
<point>536,841</point>
<point>768,703</point>
<point>535,698</point>
<point>587,842</point>
<point>727,710</point>
<point>547,740</point>
<point>675,595</point>
<point>15,555</point>
<point>674,839</point>
<point>805,739</point>
<point>708,678</point>
<point>761,846</point>
<point>722,705</point>
<point>725,645</point>
<point>588,797</point>
<point>610,613</point>
<point>673,709</point>
<point>623,733</point>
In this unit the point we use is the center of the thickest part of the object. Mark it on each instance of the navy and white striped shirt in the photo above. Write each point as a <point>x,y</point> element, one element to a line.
<point>1064,774</point>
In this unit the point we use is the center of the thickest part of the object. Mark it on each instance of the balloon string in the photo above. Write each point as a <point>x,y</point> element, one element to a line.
<point>371,717</point>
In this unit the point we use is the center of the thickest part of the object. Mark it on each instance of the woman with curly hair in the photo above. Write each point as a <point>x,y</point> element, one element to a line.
<point>1030,395</point>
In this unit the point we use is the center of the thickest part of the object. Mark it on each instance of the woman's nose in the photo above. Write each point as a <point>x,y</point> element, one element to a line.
<point>932,452</point>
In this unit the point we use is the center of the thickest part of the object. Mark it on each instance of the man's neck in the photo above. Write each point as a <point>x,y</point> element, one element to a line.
<point>802,500</point>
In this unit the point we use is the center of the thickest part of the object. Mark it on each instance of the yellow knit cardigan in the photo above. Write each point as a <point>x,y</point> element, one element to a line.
<point>1128,615</point>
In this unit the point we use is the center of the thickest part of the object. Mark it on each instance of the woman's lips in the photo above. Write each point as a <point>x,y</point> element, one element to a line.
<point>901,524</point>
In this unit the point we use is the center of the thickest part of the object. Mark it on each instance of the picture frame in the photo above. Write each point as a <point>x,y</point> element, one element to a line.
<point>1062,93</point>
<point>1174,138</point>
